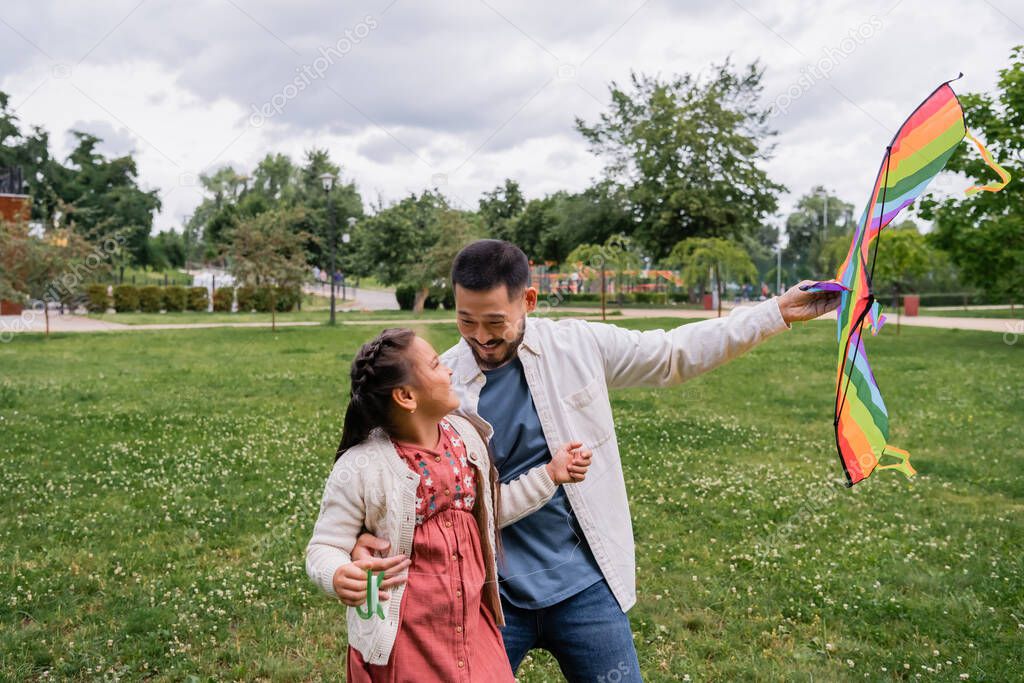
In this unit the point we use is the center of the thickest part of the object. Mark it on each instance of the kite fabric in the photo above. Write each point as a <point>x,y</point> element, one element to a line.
<point>918,151</point>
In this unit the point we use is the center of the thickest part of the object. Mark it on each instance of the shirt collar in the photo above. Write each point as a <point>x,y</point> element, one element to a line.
<point>466,364</point>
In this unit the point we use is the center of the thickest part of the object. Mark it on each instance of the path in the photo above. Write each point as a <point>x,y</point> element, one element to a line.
<point>74,323</point>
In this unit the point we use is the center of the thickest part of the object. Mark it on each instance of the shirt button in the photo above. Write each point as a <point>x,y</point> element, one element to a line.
<point>454,556</point>
<point>437,458</point>
<point>447,492</point>
<point>458,594</point>
<point>461,664</point>
<point>458,629</point>
<point>448,524</point>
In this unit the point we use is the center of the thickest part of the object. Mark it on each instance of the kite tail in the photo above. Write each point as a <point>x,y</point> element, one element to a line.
<point>1004,176</point>
<point>876,319</point>
<point>902,466</point>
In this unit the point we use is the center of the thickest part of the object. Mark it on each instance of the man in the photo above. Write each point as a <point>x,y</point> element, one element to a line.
<point>528,384</point>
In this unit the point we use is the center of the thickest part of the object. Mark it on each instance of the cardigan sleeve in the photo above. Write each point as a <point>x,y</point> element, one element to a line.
<point>525,495</point>
<point>342,514</point>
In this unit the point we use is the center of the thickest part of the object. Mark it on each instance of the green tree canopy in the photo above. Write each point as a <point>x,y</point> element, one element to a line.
<point>688,153</point>
<point>712,259</point>
<point>984,233</point>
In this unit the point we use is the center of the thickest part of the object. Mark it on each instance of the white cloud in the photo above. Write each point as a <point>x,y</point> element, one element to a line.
<point>472,91</point>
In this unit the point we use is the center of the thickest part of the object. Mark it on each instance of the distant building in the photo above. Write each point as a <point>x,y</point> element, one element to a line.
<point>15,205</point>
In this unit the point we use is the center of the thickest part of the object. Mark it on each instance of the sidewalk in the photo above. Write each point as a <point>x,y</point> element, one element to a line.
<point>74,323</point>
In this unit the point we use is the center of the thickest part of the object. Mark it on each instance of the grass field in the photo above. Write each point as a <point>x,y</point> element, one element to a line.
<point>159,491</point>
<point>1016,313</point>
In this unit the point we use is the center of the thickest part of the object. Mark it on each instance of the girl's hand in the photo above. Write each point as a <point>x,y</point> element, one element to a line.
<point>350,579</point>
<point>569,465</point>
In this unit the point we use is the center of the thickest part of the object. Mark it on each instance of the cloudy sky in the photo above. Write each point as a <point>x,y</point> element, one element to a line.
<point>461,94</point>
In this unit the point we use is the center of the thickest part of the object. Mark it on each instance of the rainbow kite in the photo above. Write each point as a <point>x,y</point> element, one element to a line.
<point>919,150</point>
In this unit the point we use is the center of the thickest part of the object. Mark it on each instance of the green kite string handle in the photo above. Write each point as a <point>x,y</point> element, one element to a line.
<point>373,606</point>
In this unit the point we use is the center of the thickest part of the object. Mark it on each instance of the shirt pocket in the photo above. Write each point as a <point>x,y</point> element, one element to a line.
<point>590,414</point>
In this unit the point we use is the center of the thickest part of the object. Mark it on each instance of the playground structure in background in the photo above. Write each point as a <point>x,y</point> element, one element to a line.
<point>587,280</point>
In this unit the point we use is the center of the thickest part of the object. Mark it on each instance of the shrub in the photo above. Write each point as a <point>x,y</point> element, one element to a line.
<point>126,298</point>
<point>198,299</point>
<point>96,298</point>
<point>680,297</point>
<point>151,299</point>
<point>587,297</point>
<point>651,297</point>
<point>175,298</point>
<point>246,295</point>
<point>406,295</point>
<point>263,298</point>
<point>222,299</point>
<point>441,296</point>
<point>288,298</point>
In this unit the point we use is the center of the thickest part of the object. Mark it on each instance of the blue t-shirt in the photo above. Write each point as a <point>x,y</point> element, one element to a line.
<point>547,558</point>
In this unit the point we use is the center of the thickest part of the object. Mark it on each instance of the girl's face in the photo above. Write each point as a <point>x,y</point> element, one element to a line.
<point>432,386</point>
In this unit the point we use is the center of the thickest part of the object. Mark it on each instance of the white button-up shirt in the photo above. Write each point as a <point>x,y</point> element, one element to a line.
<point>570,365</point>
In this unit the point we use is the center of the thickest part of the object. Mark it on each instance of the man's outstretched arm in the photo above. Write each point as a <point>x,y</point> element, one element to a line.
<point>662,358</point>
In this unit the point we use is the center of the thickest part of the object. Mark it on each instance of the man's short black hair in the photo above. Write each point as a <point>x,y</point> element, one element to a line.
<point>486,264</point>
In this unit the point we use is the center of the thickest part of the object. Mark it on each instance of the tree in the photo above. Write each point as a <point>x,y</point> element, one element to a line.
<point>456,229</point>
<point>688,154</point>
<point>499,206</point>
<point>903,257</point>
<point>265,251</point>
<point>393,243</point>
<point>618,254</point>
<point>700,256</point>
<point>38,269</point>
<point>819,217</point>
<point>983,233</point>
<point>95,196</point>
<point>101,197</point>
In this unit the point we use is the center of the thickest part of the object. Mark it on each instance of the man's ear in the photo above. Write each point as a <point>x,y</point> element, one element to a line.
<point>404,398</point>
<point>530,296</point>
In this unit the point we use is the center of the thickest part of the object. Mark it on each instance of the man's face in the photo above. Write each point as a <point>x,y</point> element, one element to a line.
<point>492,323</point>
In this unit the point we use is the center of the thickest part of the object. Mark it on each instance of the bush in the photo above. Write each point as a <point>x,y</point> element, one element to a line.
<point>222,299</point>
<point>96,298</point>
<point>441,296</point>
<point>406,295</point>
<point>263,298</point>
<point>588,297</point>
<point>151,299</point>
<point>126,298</point>
<point>651,297</point>
<point>246,295</point>
<point>680,297</point>
<point>198,299</point>
<point>175,298</point>
<point>288,298</point>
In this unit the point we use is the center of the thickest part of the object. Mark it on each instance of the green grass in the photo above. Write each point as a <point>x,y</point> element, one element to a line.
<point>1017,313</point>
<point>159,491</point>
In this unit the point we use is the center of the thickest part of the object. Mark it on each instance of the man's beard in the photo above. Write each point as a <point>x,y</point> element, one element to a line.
<point>487,364</point>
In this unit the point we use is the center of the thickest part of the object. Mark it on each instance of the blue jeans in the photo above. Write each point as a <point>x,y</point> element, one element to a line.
<point>587,633</point>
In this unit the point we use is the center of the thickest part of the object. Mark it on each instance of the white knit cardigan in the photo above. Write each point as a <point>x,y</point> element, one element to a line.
<point>372,488</point>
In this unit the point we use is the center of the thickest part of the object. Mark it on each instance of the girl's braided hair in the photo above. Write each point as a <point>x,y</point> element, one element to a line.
<point>380,366</point>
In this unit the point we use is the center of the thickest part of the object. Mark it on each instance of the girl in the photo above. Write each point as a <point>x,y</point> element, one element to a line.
<point>411,473</point>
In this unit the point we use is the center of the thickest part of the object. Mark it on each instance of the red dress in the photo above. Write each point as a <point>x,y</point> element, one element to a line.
<point>445,632</point>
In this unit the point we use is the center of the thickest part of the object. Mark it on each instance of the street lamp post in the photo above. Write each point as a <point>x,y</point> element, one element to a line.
<point>345,240</point>
<point>327,180</point>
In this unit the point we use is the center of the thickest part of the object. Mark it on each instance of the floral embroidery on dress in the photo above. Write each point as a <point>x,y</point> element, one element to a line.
<point>462,480</point>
